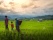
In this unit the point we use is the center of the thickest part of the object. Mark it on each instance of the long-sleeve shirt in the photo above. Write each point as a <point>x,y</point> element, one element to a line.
<point>6,21</point>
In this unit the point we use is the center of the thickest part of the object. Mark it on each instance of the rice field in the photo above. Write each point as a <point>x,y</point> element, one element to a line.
<point>30,30</point>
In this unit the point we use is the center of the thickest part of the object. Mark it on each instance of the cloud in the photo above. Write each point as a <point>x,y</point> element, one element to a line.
<point>31,7</point>
<point>26,6</point>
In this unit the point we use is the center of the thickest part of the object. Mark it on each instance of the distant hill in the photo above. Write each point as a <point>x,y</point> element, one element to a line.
<point>46,17</point>
<point>12,17</point>
<point>2,17</point>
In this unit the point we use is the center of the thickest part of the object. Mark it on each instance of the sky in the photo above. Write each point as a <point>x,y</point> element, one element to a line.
<point>26,7</point>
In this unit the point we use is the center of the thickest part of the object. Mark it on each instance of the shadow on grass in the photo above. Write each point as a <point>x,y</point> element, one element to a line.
<point>14,35</point>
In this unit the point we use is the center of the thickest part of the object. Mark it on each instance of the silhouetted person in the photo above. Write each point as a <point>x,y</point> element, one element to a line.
<point>12,25</point>
<point>6,22</point>
<point>18,23</point>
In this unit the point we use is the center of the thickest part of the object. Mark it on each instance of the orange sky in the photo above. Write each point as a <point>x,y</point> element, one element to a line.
<point>24,6</point>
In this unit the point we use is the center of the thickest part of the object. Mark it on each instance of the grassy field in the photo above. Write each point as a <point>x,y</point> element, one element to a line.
<point>30,30</point>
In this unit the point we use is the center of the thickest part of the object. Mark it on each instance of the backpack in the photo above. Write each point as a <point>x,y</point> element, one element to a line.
<point>20,22</point>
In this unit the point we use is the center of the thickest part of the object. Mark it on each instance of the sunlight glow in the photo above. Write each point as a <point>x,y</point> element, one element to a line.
<point>15,5</point>
<point>23,6</point>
